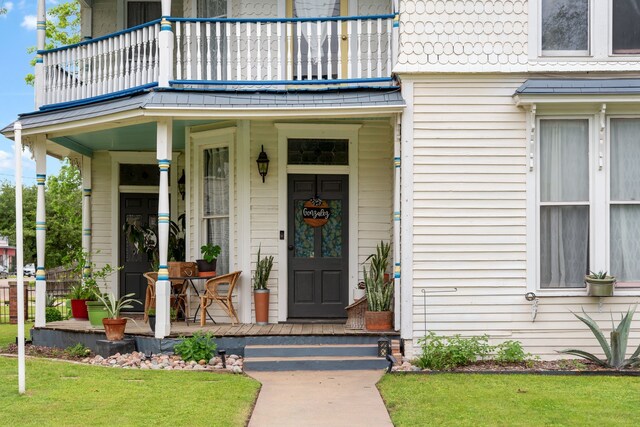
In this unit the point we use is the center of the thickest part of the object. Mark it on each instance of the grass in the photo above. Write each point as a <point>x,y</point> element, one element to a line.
<point>514,400</point>
<point>60,393</point>
<point>8,333</point>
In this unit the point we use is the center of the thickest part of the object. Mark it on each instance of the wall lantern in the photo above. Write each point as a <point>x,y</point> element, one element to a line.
<point>384,347</point>
<point>263,163</point>
<point>182,185</point>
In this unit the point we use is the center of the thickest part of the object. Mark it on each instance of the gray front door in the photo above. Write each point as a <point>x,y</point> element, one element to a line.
<point>318,256</point>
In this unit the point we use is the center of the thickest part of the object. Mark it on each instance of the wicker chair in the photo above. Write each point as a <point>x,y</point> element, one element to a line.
<point>150,294</point>
<point>222,297</point>
<point>178,300</point>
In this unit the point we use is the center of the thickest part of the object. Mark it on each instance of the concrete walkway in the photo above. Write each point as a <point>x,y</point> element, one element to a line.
<point>319,398</point>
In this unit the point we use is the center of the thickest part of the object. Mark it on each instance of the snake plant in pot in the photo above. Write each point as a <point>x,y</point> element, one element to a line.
<point>260,290</point>
<point>114,323</point>
<point>379,290</point>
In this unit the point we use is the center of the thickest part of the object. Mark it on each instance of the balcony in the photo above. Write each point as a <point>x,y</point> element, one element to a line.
<point>223,53</point>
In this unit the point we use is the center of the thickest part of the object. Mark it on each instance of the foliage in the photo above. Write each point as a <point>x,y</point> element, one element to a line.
<point>64,215</point>
<point>510,400</point>
<point>379,292</point>
<point>173,314</point>
<point>78,350</point>
<point>145,239</point>
<point>81,292</point>
<point>51,301</point>
<point>263,270</point>
<point>62,28</point>
<point>601,275</point>
<point>616,351</point>
<point>114,305</point>
<point>61,393</point>
<point>511,351</point>
<point>52,314</point>
<point>201,346</point>
<point>210,252</point>
<point>379,260</point>
<point>445,353</point>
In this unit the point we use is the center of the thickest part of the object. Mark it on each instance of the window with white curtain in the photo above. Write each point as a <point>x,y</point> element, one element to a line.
<point>564,203</point>
<point>215,206</point>
<point>588,201</point>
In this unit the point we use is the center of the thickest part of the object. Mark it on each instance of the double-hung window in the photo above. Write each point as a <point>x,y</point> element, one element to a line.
<point>588,200</point>
<point>625,27</point>
<point>564,27</point>
<point>215,206</point>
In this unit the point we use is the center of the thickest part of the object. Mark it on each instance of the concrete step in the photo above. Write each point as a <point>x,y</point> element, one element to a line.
<point>369,350</point>
<point>314,363</point>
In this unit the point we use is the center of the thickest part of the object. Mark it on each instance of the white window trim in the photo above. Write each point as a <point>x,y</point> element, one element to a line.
<point>201,141</point>
<point>599,201</point>
<point>626,56</point>
<point>320,130</point>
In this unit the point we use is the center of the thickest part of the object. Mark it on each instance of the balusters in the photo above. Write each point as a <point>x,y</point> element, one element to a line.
<point>218,53</point>
<point>389,51</point>
<point>329,44</point>
<point>259,49</point>
<point>379,55</point>
<point>238,61</point>
<point>287,43</point>
<point>198,49</point>
<point>299,51</point>
<point>359,55</point>
<point>248,37</point>
<point>188,46</point>
<point>318,60</point>
<point>269,59</point>
<point>208,53</point>
<point>179,50</point>
<point>228,52</point>
<point>339,34</point>
<point>369,48</point>
<point>349,49</point>
<point>309,41</point>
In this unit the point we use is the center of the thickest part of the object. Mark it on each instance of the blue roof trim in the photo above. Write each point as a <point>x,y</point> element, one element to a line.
<point>282,91</point>
<point>276,20</point>
<point>279,82</point>
<point>105,37</point>
<point>126,92</point>
<point>621,86</point>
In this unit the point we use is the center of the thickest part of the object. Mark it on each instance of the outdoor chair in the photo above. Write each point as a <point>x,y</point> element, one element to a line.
<point>221,295</point>
<point>178,296</point>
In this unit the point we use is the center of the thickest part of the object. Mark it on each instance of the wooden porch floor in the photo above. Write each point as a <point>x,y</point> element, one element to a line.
<point>225,329</point>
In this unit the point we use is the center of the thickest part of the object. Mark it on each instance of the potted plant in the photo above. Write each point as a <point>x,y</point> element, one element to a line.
<point>207,265</point>
<point>114,324</point>
<point>95,308</point>
<point>260,290</point>
<point>379,291</point>
<point>79,295</point>
<point>599,284</point>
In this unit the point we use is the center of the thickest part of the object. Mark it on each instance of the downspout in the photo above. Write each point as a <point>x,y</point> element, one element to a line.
<point>396,221</point>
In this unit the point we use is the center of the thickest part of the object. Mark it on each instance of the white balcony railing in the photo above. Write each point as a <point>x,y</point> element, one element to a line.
<point>103,66</point>
<point>228,52</point>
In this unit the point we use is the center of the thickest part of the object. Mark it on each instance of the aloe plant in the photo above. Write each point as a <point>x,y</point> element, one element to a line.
<point>616,351</point>
<point>113,305</point>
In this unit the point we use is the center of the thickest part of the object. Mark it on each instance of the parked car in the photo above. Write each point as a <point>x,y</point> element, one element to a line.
<point>29,270</point>
<point>3,272</point>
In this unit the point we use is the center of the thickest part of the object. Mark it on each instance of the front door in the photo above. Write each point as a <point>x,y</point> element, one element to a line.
<point>318,255</point>
<point>141,209</point>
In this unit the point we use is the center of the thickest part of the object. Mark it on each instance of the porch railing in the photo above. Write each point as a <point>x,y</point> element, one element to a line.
<point>102,66</point>
<point>227,52</point>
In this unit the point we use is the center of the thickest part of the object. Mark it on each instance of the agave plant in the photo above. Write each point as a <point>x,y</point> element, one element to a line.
<point>113,305</point>
<point>615,352</point>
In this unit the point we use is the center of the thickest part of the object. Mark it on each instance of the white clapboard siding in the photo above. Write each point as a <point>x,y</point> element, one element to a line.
<point>101,202</point>
<point>470,221</point>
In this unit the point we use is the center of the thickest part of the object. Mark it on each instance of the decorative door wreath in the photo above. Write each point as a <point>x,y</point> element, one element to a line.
<point>316,212</point>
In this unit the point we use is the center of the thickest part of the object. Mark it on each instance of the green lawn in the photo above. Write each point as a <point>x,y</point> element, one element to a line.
<point>60,393</point>
<point>8,333</point>
<point>513,400</point>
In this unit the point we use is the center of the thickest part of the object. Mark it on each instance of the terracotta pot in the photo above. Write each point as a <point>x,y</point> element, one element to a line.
<point>378,320</point>
<point>79,309</point>
<point>206,274</point>
<point>114,328</point>
<point>261,301</point>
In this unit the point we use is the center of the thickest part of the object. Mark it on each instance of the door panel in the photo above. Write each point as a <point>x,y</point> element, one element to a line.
<point>318,256</point>
<point>142,209</point>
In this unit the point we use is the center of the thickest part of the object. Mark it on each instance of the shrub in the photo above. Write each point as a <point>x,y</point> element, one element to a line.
<point>511,352</point>
<point>444,353</point>
<point>78,350</point>
<point>201,346</point>
<point>52,314</point>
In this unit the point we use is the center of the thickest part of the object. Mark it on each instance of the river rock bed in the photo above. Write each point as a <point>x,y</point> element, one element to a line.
<point>137,360</point>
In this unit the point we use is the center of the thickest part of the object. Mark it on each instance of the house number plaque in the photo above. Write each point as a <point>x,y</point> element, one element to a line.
<point>316,212</point>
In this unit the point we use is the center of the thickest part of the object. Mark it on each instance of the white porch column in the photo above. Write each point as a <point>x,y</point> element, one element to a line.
<point>163,285</point>
<point>86,214</point>
<point>39,75</point>
<point>17,129</point>
<point>396,223</point>
<point>40,151</point>
<point>165,43</point>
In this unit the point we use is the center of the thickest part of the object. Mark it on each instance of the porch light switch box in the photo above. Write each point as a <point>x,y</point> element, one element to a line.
<point>281,234</point>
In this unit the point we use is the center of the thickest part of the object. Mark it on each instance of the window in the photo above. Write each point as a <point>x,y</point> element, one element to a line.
<point>139,12</point>
<point>625,28</point>
<point>564,203</point>
<point>215,206</point>
<point>565,27</point>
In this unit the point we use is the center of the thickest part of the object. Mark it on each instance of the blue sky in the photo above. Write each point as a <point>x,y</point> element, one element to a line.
<point>17,33</point>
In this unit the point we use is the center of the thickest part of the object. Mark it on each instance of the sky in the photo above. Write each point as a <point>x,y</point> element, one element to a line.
<point>17,33</point>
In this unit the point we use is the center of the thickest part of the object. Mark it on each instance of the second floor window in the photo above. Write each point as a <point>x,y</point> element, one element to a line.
<point>565,27</point>
<point>139,12</point>
<point>625,27</point>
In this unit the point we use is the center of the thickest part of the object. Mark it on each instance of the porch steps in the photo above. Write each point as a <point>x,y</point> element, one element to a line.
<point>312,357</point>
